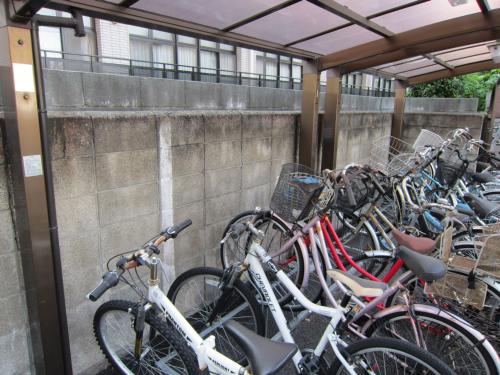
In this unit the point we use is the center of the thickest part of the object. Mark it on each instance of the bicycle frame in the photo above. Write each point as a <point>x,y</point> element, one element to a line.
<point>258,254</point>
<point>204,348</point>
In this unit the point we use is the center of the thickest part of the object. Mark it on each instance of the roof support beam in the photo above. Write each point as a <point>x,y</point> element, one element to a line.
<point>455,32</point>
<point>457,71</point>
<point>353,17</point>
<point>116,13</point>
<point>483,5</point>
<point>399,109</point>
<point>260,15</point>
<point>128,3</point>
<point>309,129</point>
<point>331,119</point>
<point>378,14</point>
<point>438,61</point>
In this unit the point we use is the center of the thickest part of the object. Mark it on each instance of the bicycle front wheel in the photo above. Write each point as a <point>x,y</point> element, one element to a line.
<point>164,351</point>
<point>389,356</point>
<point>276,234</point>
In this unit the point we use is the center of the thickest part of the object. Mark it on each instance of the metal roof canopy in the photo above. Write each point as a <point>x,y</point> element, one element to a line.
<point>348,35</point>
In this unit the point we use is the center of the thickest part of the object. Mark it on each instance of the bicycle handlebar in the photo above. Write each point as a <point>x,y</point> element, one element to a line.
<point>111,278</point>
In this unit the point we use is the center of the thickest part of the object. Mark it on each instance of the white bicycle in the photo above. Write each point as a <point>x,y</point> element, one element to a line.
<point>152,336</point>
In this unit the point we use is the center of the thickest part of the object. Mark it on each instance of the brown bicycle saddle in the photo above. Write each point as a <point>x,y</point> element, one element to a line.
<point>421,245</point>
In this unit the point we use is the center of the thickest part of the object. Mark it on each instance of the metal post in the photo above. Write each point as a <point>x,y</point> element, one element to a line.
<point>31,196</point>
<point>399,108</point>
<point>176,59</point>
<point>308,141</point>
<point>331,119</point>
<point>278,72</point>
<point>493,113</point>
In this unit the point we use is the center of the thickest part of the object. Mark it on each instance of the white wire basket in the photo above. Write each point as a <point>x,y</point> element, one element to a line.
<point>427,138</point>
<point>392,156</point>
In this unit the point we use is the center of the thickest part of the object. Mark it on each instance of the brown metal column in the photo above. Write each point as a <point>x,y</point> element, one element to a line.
<point>491,115</point>
<point>331,119</point>
<point>399,109</point>
<point>308,141</point>
<point>23,142</point>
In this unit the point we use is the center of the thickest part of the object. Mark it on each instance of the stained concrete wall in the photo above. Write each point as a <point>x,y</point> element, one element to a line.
<point>67,90</point>
<point>120,177</point>
<point>357,131</point>
<point>15,342</point>
<point>440,123</point>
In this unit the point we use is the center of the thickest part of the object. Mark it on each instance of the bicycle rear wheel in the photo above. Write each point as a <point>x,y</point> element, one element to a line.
<point>196,294</point>
<point>164,351</point>
<point>389,356</point>
<point>447,338</point>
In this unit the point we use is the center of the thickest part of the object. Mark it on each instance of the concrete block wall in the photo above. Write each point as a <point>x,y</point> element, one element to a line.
<point>107,200</point>
<point>80,91</point>
<point>68,90</point>
<point>120,177</point>
<point>15,339</point>
<point>357,131</point>
<point>215,165</point>
<point>447,105</point>
<point>440,123</point>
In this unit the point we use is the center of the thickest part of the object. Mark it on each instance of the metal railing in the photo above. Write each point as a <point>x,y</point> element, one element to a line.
<point>119,65</point>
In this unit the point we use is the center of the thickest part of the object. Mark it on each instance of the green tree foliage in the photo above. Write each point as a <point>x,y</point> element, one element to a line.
<point>475,85</point>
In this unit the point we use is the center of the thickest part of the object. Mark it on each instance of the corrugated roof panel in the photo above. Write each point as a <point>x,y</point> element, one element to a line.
<point>418,72</point>
<point>214,13</point>
<point>425,14</point>
<point>339,40</point>
<point>462,52</point>
<point>292,23</point>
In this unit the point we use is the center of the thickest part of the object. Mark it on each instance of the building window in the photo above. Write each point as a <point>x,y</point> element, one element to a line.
<point>217,58</point>
<point>151,48</point>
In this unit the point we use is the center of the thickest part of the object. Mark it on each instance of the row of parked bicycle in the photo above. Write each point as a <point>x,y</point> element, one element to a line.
<point>399,254</point>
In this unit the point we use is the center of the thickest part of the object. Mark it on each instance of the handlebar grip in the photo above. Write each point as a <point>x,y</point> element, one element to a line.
<point>174,230</point>
<point>109,280</point>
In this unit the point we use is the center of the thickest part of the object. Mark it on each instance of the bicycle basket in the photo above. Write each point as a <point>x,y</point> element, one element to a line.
<point>295,193</point>
<point>456,287</point>
<point>392,156</point>
<point>427,138</point>
<point>448,172</point>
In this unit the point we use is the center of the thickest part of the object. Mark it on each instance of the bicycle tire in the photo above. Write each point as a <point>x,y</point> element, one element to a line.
<point>180,293</point>
<point>486,321</point>
<point>232,251</point>
<point>442,337</point>
<point>170,340</point>
<point>420,358</point>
